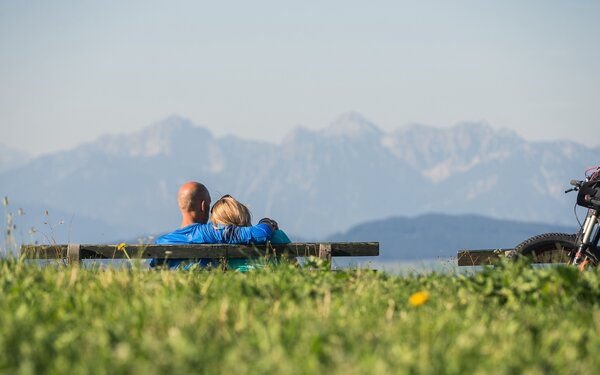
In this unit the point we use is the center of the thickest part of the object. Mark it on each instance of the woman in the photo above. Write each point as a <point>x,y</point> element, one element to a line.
<point>228,212</point>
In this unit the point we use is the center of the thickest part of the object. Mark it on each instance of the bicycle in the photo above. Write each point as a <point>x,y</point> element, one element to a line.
<point>580,249</point>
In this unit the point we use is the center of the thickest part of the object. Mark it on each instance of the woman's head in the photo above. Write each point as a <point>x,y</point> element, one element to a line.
<point>228,211</point>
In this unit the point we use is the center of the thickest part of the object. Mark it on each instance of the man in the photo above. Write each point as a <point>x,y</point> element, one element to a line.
<point>194,203</point>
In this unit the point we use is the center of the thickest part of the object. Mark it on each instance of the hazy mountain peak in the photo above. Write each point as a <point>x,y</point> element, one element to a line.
<point>299,134</point>
<point>439,153</point>
<point>156,139</point>
<point>352,125</point>
<point>171,123</point>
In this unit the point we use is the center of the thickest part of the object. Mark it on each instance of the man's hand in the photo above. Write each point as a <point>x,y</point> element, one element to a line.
<point>270,222</point>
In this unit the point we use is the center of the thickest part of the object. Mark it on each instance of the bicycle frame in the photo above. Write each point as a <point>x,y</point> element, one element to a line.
<point>589,234</point>
<point>587,242</point>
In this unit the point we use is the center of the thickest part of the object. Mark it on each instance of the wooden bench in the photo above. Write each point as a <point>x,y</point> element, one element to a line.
<point>489,256</point>
<point>75,253</point>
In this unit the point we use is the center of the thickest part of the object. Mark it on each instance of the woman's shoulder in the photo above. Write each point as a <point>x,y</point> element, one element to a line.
<point>280,237</point>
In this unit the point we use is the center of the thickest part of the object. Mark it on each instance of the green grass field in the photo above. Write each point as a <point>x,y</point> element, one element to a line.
<point>507,320</point>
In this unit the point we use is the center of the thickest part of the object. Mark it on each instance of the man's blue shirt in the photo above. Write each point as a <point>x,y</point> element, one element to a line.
<point>208,234</point>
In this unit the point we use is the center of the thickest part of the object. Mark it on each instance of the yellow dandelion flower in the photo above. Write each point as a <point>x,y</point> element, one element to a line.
<point>419,298</point>
<point>121,246</point>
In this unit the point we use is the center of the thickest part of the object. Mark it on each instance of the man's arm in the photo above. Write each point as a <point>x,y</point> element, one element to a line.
<point>259,233</point>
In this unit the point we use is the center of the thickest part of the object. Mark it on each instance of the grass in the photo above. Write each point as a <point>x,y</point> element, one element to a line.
<point>511,319</point>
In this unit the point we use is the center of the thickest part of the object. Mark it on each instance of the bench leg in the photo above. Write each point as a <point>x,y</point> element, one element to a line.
<point>73,254</point>
<point>325,252</point>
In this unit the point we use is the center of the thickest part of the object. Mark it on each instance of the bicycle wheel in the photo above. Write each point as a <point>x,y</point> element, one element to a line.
<point>548,248</point>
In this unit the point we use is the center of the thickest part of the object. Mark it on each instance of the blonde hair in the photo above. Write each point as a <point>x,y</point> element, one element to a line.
<point>228,211</point>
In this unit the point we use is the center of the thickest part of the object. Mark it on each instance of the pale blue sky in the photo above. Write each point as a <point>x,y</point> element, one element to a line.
<point>72,70</point>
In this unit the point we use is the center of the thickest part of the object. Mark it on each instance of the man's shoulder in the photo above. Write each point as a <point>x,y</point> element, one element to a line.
<point>192,228</point>
<point>193,233</point>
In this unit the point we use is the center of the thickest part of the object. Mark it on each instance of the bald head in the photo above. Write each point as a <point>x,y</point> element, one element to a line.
<point>194,202</point>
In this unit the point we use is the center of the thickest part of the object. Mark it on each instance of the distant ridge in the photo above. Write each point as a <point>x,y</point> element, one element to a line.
<point>440,236</point>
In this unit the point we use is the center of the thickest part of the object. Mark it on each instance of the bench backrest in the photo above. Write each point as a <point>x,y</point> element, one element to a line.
<point>77,252</point>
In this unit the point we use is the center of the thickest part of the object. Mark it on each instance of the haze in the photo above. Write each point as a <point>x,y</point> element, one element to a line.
<point>70,71</point>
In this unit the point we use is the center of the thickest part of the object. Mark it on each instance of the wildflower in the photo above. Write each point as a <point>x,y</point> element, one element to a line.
<point>121,247</point>
<point>419,298</point>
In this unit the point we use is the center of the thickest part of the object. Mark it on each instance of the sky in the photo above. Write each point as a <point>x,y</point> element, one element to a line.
<point>73,70</point>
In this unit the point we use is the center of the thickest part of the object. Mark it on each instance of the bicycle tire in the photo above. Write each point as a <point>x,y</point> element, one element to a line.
<point>547,247</point>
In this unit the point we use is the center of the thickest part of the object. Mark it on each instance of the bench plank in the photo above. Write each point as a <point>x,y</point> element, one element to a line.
<point>489,256</point>
<point>213,251</point>
<point>479,257</point>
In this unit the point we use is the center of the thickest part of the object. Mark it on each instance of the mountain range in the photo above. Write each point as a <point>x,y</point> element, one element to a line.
<point>314,182</point>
